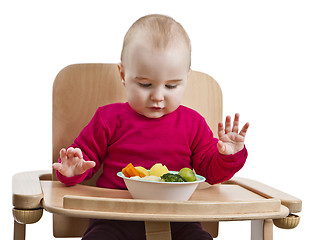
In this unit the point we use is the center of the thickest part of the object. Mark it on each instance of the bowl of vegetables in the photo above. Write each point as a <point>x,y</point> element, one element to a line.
<point>159,183</point>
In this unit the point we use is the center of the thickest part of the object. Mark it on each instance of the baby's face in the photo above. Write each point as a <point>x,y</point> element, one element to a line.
<point>155,80</point>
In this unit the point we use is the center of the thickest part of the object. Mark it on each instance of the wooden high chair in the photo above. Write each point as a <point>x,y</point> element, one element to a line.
<point>78,91</point>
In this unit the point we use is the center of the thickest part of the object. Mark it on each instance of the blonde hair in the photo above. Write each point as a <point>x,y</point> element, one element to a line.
<point>160,30</point>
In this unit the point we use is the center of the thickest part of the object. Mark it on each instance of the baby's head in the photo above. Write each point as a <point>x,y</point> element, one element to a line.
<point>155,62</point>
<point>160,31</point>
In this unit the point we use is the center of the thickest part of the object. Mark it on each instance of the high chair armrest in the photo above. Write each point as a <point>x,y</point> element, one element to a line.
<point>292,203</point>
<point>26,189</point>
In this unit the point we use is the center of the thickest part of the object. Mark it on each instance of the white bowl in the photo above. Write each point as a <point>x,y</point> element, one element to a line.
<point>143,189</point>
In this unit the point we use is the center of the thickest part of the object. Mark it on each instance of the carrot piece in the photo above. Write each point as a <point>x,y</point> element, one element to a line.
<point>130,171</point>
<point>124,171</point>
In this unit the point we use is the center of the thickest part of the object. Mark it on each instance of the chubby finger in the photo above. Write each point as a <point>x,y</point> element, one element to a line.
<point>57,166</point>
<point>70,152</point>
<point>63,155</point>
<point>78,153</point>
<point>227,124</point>
<point>244,129</point>
<point>236,123</point>
<point>221,147</point>
<point>220,130</point>
<point>88,164</point>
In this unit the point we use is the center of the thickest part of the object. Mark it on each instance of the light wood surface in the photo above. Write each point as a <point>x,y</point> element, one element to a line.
<point>215,203</point>
<point>26,189</point>
<point>30,188</point>
<point>294,204</point>
<point>224,202</point>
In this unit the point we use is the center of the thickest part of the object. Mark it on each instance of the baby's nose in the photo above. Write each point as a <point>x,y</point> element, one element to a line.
<point>157,96</point>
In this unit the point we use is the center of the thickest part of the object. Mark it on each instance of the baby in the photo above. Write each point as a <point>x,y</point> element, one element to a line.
<point>152,127</point>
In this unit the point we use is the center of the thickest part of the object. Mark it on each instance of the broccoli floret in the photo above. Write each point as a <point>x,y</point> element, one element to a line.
<point>171,177</point>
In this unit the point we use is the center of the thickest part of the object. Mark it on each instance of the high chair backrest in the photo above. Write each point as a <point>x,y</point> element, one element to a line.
<point>80,89</point>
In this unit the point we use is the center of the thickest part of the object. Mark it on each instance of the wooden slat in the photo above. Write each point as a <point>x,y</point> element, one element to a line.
<point>136,206</point>
<point>294,204</point>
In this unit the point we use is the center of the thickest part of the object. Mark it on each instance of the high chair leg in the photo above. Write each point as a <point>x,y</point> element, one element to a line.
<point>23,217</point>
<point>19,231</point>
<point>262,229</point>
<point>158,230</point>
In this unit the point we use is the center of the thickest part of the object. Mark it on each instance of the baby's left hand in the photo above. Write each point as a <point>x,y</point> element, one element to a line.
<point>230,141</point>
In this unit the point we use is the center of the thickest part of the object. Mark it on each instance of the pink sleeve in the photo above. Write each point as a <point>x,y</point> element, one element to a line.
<point>70,181</point>
<point>93,143</point>
<point>208,162</point>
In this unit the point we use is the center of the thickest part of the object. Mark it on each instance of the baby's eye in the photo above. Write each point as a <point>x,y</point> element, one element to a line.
<point>145,85</point>
<point>170,86</point>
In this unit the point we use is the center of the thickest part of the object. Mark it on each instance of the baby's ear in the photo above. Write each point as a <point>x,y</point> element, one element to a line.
<point>121,71</point>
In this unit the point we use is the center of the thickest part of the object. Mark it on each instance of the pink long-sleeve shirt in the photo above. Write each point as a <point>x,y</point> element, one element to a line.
<point>117,135</point>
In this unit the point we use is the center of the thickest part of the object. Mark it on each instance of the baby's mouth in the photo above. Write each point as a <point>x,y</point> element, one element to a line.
<point>156,108</point>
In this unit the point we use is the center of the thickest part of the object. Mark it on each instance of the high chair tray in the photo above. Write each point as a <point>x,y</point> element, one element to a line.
<point>219,202</point>
<point>236,199</point>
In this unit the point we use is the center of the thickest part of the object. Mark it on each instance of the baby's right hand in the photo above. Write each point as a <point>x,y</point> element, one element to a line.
<point>72,162</point>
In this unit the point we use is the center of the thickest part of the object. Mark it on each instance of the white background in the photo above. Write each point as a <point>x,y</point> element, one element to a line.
<point>260,52</point>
